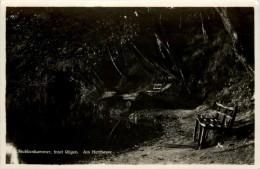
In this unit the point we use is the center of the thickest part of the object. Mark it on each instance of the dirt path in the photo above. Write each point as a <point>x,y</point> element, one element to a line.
<point>177,147</point>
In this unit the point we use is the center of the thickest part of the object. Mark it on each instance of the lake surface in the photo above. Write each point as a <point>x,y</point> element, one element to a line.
<point>103,138</point>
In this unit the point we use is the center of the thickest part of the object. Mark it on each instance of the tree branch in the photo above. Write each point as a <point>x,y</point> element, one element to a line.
<point>111,57</point>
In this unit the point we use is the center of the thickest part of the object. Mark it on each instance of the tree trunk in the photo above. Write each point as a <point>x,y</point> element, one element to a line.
<point>234,37</point>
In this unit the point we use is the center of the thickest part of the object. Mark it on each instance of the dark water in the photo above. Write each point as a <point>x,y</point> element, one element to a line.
<point>112,136</point>
<point>55,119</point>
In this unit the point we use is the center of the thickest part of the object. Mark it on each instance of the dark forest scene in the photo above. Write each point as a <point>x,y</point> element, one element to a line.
<point>130,85</point>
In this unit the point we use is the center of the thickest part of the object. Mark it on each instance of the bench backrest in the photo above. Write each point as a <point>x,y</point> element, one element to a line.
<point>157,86</point>
<point>226,115</point>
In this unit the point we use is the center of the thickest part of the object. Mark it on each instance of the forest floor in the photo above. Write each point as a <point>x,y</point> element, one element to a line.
<point>176,145</point>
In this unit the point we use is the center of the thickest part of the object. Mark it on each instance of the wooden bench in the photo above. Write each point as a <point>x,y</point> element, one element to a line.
<point>222,119</point>
<point>157,87</point>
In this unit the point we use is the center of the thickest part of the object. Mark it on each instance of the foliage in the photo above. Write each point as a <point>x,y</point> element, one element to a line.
<point>60,61</point>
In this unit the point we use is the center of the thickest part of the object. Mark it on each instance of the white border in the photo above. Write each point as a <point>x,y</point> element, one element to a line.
<point>128,3</point>
<point>132,3</point>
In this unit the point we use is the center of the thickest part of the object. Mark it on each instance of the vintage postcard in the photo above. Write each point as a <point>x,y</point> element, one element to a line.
<point>158,83</point>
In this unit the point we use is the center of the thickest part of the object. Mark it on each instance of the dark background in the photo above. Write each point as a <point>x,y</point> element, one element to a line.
<point>58,66</point>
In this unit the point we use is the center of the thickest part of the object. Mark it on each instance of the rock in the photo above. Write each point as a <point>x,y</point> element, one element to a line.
<point>219,145</point>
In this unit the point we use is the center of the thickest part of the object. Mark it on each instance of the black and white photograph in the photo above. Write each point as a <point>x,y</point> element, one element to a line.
<point>129,85</point>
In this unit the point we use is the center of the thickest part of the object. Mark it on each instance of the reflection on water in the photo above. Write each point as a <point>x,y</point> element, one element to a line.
<point>56,118</point>
<point>71,145</point>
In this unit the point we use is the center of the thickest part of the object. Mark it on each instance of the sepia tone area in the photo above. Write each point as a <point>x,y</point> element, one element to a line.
<point>127,85</point>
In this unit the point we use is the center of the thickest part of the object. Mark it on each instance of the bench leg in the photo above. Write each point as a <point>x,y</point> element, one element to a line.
<point>195,130</point>
<point>202,137</point>
<point>199,136</point>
